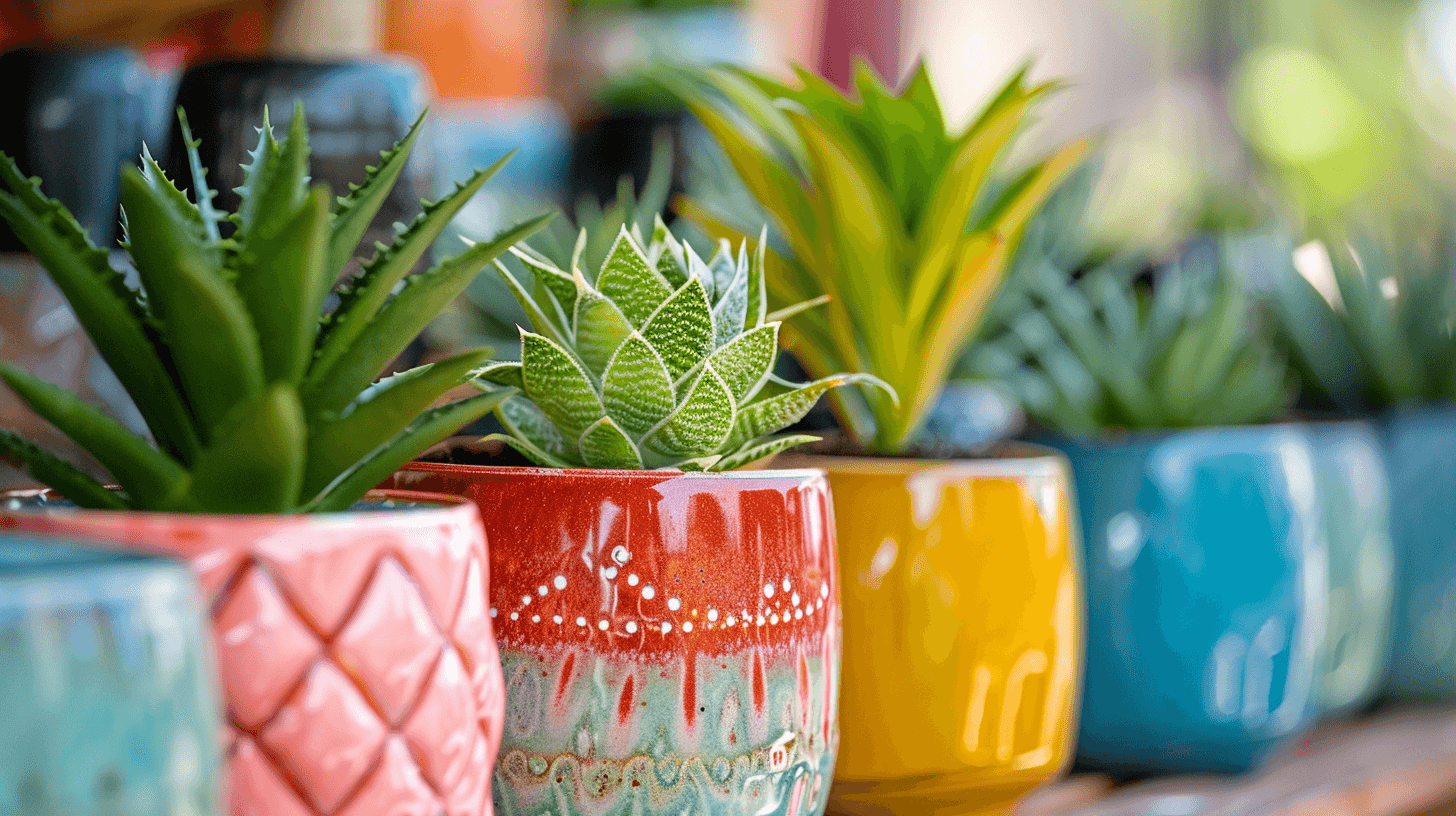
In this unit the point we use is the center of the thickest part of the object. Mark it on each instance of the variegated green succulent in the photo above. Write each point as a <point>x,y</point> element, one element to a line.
<point>663,361</point>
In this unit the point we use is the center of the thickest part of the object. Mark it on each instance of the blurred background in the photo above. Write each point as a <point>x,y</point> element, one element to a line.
<point>1209,116</point>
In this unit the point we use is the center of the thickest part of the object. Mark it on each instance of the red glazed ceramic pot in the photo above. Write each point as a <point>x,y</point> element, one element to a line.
<point>671,641</point>
<point>357,658</point>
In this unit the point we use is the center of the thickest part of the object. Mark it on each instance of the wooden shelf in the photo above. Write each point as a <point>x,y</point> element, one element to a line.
<point>1395,762</point>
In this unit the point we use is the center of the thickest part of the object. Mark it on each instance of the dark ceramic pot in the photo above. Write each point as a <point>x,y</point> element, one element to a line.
<point>73,117</point>
<point>355,109</point>
<point>1420,449</point>
<point>1206,597</point>
<point>671,641</point>
<point>109,701</point>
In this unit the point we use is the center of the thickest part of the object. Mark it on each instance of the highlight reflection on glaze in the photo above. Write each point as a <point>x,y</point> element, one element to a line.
<point>962,621</point>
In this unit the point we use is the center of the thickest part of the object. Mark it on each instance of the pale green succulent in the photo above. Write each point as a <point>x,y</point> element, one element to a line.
<point>663,361</point>
<point>1087,347</point>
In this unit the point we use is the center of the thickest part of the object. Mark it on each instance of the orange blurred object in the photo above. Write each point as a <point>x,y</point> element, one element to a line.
<point>475,48</point>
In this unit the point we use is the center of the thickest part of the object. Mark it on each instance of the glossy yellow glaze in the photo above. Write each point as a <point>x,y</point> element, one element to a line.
<point>962,631</point>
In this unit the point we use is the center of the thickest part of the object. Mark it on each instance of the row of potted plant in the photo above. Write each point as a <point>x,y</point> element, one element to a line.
<point>678,627</point>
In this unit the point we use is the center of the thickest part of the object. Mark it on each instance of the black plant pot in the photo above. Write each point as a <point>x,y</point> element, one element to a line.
<point>72,117</point>
<point>355,109</point>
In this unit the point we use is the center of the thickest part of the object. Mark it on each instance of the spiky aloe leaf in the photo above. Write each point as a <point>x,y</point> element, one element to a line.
<point>143,471</point>
<point>364,296</point>
<point>182,209</point>
<point>255,461</point>
<point>380,412</point>
<point>428,429</point>
<point>103,305</point>
<point>204,322</point>
<point>202,194</point>
<point>605,445</point>
<point>700,423</point>
<point>330,389</point>
<point>47,468</point>
<point>762,449</point>
<point>283,277</point>
<point>354,212</point>
<point>636,389</point>
<point>681,329</point>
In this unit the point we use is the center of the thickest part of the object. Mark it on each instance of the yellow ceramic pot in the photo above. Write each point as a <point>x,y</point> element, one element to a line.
<point>962,630</point>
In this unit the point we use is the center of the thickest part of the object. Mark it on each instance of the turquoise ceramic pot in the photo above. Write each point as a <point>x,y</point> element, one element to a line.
<point>1421,457</point>
<point>1206,596</point>
<point>1355,499</point>
<point>107,700</point>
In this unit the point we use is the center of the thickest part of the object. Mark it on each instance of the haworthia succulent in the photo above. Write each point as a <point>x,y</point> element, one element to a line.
<point>651,375</point>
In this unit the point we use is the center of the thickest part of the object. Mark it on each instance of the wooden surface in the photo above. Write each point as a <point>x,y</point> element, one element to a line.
<point>1397,762</point>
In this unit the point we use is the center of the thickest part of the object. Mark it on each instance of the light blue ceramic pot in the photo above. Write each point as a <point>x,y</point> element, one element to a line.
<point>107,689</point>
<point>1420,454</point>
<point>1206,593</point>
<point>1355,499</point>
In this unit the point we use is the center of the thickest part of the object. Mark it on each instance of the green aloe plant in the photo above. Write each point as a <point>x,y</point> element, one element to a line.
<point>257,401</point>
<point>1088,347</point>
<point>664,360</point>
<point>1385,335</point>
<point>878,205</point>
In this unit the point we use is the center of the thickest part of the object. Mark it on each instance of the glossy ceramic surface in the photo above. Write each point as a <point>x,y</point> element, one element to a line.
<point>1206,597</point>
<point>962,631</point>
<point>107,699</point>
<point>670,640</point>
<point>358,663</point>
<point>1420,447</point>
<point>1355,499</point>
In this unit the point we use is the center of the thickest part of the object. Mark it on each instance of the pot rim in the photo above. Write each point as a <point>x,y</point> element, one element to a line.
<point>1028,459</point>
<point>433,503</point>
<point>1125,438</point>
<point>524,471</point>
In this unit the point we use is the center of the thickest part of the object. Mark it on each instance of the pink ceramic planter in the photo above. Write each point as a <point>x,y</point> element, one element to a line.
<point>357,657</point>
<point>671,641</point>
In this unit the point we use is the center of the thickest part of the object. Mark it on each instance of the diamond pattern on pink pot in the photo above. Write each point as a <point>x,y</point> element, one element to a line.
<point>263,648</point>
<point>360,667</point>
<point>396,788</point>
<point>327,736</point>
<point>256,789</point>
<point>391,643</point>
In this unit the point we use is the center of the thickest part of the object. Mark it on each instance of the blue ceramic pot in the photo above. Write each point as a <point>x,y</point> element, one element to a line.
<point>1206,596</point>
<point>1421,457</point>
<point>1355,499</point>
<point>108,703</point>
